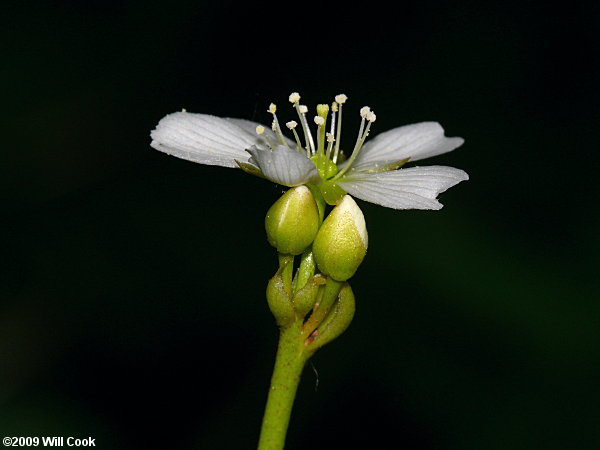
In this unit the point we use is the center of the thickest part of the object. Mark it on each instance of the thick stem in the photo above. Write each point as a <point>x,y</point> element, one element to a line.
<point>291,357</point>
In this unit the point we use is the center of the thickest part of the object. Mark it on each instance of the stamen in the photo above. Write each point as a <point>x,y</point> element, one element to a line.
<point>360,132</point>
<point>292,126</point>
<point>320,141</point>
<point>334,111</point>
<point>310,144</point>
<point>365,134</point>
<point>294,97</point>
<point>330,141</point>
<point>275,126</point>
<point>340,100</point>
<point>368,116</point>
<point>260,130</point>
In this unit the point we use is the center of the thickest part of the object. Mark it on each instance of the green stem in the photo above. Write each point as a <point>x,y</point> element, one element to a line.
<point>290,360</point>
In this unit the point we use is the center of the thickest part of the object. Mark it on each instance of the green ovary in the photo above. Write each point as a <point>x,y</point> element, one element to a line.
<point>332,193</point>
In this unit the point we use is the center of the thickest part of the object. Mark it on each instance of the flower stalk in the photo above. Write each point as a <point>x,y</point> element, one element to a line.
<point>310,296</point>
<point>310,309</point>
<point>292,354</point>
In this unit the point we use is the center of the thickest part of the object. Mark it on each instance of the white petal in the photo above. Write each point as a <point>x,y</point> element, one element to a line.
<point>413,188</point>
<point>207,139</point>
<point>416,141</point>
<point>284,165</point>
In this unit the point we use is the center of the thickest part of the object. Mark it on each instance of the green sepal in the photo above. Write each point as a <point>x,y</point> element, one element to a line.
<point>332,289</point>
<point>286,267</point>
<point>337,321</point>
<point>387,167</point>
<point>305,298</point>
<point>325,300</point>
<point>249,168</point>
<point>305,271</point>
<point>279,300</point>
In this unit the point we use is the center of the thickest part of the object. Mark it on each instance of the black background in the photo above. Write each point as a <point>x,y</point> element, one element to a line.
<point>132,295</point>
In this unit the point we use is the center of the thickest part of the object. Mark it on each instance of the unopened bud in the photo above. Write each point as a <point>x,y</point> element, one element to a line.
<point>342,241</point>
<point>293,221</point>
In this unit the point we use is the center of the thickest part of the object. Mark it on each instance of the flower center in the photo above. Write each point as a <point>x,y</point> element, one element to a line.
<point>325,152</point>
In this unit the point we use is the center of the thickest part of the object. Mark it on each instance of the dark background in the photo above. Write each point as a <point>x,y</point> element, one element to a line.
<point>132,294</point>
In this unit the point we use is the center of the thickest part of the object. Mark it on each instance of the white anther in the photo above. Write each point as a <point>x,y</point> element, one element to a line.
<point>371,116</point>
<point>260,129</point>
<point>183,110</point>
<point>294,97</point>
<point>319,120</point>
<point>364,111</point>
<point>272,108</point>
<point>334,107</point>
<point>291,124</point>
<point>303,109</point>
<point>330,137</point>
<point>341,99</point>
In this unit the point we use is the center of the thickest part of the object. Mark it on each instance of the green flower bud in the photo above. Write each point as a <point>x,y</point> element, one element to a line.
<point>342,241</point>
<point>293,221</point>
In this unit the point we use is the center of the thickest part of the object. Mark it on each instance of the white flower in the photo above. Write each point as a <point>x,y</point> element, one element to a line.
<point>371,173</point>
